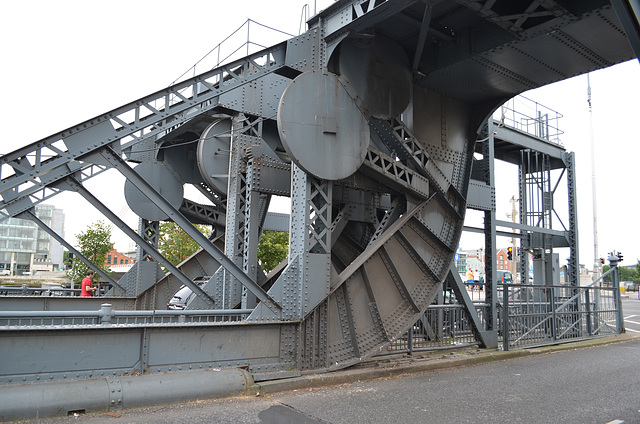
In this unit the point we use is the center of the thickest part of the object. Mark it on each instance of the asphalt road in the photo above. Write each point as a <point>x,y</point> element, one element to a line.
<point>631,313</point>
<point>590,385</point>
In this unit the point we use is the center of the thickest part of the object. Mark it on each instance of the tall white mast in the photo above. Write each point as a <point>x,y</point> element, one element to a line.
<point>596,259</point>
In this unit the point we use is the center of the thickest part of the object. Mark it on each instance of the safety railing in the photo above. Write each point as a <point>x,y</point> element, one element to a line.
<point>541,315</point>
<point>531,117</point>
<point>25,290</point>
<point>441,326</point>
<point>106,316</point>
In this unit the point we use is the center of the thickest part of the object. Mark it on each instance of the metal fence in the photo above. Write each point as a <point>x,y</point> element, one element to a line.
<point>541,315</point>
<point>528,316</point>
<point>441,326</point>
<point>25,290</point>
<point>20,320</point>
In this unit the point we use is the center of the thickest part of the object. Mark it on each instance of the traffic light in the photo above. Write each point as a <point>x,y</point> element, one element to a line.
<point>510,253</point>
<point>601,261</point>
<point>619,255</point>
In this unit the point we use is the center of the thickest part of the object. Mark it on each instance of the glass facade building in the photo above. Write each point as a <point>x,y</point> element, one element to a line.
<point>25,247</point>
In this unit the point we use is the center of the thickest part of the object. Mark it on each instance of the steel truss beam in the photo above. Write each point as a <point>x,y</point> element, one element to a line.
<point>30,169</point>
<point>360,272</point>
<point>147,248</point>
<point>118,163</point>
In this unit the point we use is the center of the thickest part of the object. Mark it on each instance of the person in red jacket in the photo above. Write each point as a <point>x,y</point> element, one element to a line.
<point>86,286</point>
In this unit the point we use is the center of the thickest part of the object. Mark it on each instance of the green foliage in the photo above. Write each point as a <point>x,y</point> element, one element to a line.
<point>94,244</point>
<point>273,249</point>
<point>626,274</point>
<point>175,244</point>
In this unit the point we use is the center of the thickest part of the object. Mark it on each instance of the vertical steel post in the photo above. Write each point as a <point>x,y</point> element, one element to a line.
<point>552,301</point>
<point>105,313</point>
<point>615,280</point>
<point>587,303</point>
<point>505,317</point>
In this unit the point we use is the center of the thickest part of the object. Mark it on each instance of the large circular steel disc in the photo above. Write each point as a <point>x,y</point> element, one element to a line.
<point>163,181</point>
<point>213,155</point>
<point>378,70</point>
<point>321,128</point>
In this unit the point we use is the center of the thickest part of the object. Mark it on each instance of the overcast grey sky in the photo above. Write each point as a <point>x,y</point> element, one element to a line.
<point>67,61</point>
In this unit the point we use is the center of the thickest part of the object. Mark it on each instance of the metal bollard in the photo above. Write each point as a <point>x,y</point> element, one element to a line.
<point>105,313</point>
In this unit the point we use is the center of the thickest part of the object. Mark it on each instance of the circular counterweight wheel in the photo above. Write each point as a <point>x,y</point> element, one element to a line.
<point>321,127</point>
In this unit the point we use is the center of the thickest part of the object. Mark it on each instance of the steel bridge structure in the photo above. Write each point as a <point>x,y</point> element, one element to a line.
<point>369,122</point>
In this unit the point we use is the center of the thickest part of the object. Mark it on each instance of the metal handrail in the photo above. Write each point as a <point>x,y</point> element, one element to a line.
<point>106,316</point>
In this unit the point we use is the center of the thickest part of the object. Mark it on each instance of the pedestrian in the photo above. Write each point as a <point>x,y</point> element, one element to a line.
<point>476,279</point>
<point>470,278</point>
<point>86,286</point>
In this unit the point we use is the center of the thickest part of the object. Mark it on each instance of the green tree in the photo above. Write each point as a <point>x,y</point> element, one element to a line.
<point>94,244</point>
<point>628,274</point>
<point>273,248</point>
<point>606,268</point>
<point>175,244</point>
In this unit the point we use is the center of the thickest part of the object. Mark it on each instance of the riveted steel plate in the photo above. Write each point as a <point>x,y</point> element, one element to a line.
<point>213,155</point>
<point>321,127</point>
<point>377,69</point>
<point>165,183</point>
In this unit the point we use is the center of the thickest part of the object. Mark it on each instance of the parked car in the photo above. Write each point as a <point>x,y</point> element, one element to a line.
<point>629,285</point>
<point>5,272</point>
<point>183,296</point>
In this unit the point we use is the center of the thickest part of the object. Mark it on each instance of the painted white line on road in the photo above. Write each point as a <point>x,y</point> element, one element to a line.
<point>630,316</point>
<point>632,322</point>
<point>616,422</point>
<point>633,331</point>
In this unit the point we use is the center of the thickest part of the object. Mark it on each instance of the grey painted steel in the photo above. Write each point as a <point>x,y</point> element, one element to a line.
<point>573,265</point>
<point>376,70</point>
<point>186,226</point>
<point>169,107</point>
<point>628,12</point>
<point>141,242</point>
<point>198,265</point>
<point>321,127</point>
<point>63,303</point>
<point>148,342</point>
<point>213,154</point>
<point>481,196</point>
<point>20,401</point>
<point>542,315</point>
<point>163,181</point>
<point>277,222</point>
<point>360,272</point>
<point>490,243</point>
<point>488,337</point>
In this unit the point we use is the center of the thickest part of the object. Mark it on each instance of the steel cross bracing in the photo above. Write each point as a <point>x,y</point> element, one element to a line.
<point>368,252</point>
<point>31,169</point>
